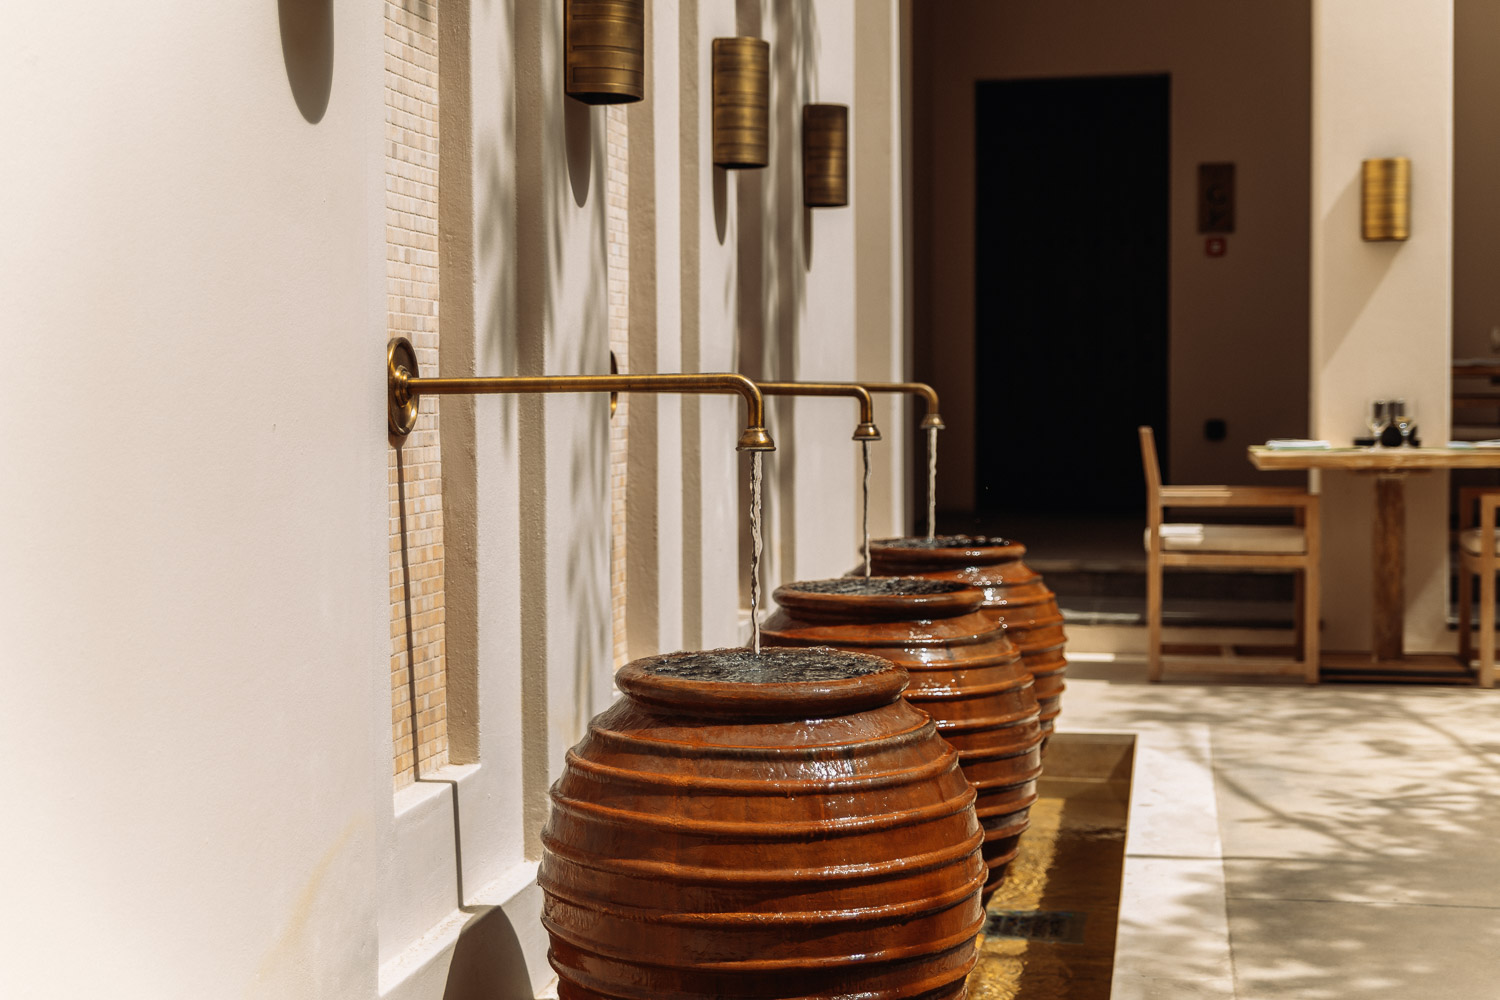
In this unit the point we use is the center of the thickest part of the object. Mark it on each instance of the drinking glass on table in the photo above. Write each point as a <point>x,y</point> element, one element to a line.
<point>1378,418</point>
<point>1402,417</point>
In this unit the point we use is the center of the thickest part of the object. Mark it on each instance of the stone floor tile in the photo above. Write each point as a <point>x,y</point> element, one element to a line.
<point>1468,876</point>
<point>1357,825</point>
<point>1173,806</point>
<point>1143,988</point>
<point>1363,951</point>
<point>1173,923</point>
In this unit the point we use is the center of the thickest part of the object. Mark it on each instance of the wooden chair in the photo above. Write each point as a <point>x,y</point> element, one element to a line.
<point>1477,557</point>
<point>1259,548</point>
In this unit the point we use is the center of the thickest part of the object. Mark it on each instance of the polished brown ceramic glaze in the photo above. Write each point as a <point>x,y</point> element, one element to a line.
<point>1013,591</point>
<point>964,672</point>
<point>781,825</point>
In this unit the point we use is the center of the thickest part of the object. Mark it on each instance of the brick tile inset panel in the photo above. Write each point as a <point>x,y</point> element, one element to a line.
<point>416,570</point>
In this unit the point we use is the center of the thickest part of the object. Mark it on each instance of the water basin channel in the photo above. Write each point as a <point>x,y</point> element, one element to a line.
<point>1051,927</point>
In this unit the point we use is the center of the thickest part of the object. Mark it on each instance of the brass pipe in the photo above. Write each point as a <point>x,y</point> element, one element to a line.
<point>865,431</point>
<point>927,392</point>
<point>405,387</point>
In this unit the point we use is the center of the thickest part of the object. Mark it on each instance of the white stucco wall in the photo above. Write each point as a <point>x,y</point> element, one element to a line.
<point>798,300</point>
<point>195,535</point>
<point>826,483</point>
<point>193,542</point>
<point>732,272</point>
<point>877,176</point>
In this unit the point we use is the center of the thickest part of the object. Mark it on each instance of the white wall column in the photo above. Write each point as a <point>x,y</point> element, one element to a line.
<point>654,602</point>
<point>1381,312</point>
<point>195,548</point>
<point>819,278</point>
<point>875,177</point>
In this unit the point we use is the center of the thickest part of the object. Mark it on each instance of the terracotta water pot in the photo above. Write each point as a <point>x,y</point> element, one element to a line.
<point>965,673</point>
<point>781,825</point>
<point>1013,591</point>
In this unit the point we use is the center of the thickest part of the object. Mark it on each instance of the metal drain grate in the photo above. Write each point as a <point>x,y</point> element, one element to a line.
<point>1036,925</point>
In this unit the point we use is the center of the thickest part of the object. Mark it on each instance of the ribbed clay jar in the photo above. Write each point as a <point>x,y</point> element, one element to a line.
<point>781,825</point>
<point>964,672</point>
<point>1012,590</point>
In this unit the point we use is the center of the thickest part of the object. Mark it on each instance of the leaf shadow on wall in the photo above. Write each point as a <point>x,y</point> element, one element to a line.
<point>774,246</point>
<point>551,322</point>
<point>307,51</point>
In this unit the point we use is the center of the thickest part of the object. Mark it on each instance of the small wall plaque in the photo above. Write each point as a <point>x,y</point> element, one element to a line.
<point>1216,197</point>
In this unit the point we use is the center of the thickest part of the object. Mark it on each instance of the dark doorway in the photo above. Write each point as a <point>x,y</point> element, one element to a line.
<point>1071,237</point>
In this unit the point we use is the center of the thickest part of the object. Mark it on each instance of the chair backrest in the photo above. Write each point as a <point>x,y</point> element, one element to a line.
<point>1153,469</point>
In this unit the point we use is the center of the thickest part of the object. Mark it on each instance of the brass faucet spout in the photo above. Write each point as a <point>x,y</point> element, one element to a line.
<point>406,387</point>
<point>928,393</point>
<point>865,431</point>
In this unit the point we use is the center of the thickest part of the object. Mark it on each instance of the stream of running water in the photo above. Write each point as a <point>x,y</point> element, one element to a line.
<point>755,547</point>
<point>865,523</point>
<point>931,483</point>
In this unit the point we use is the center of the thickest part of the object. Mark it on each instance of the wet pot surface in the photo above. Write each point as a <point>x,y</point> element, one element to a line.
<point>770,825</point>
<point>1013,592</point>
<point>965,673</point>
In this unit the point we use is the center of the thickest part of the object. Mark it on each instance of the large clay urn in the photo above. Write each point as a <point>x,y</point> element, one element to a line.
<point>780,825</point>
<point>965,673</point>
<point>1013,592</point>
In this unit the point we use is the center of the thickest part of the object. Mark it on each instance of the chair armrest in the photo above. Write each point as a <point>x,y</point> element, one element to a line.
<point>1236,496</point>
<point>1468,504</point>
<point>1488,504</point>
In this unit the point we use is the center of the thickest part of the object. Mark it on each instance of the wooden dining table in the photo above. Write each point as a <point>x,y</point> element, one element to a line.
<point>1389,467</point>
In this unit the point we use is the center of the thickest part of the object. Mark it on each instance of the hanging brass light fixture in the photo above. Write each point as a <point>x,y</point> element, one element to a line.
<point>742,107</point>
<point>825,155</point>
<point>605,50</point>
<point>1385,195</point>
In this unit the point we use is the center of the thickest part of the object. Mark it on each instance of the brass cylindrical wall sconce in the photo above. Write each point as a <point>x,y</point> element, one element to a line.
<point>1385,191</point>
<point>605,50</point>
<point>825,155</point>
<point>742,114</point>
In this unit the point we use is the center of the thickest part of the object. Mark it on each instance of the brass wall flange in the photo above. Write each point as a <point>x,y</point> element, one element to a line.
<point>401,404</point>
<point>614,397</point>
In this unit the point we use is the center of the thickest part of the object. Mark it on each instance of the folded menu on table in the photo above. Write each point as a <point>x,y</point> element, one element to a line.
<point>1297,444</point>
